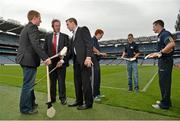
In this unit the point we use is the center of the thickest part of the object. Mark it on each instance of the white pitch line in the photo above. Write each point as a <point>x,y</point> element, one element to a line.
<point>150,81</point>
<point>113,88</point>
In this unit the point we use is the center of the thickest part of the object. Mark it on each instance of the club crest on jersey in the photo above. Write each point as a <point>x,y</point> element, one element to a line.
<point>158,39</point>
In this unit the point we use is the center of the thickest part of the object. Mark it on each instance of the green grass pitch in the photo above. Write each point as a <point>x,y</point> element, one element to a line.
<point>118,103</point>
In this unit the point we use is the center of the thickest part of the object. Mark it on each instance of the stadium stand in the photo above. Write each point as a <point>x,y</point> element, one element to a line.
<point>5,59</point>
<point>146,46</point>
<point>8,39</point>
<point>10,31</point>
<point>9,35</point>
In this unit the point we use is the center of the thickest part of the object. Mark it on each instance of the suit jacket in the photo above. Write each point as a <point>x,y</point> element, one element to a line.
<point>30,50</point>
<point>82,44</point>
<point>62,42</point>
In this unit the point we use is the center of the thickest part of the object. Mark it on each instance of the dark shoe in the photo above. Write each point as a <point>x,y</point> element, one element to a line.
<point>53,101</point>
<point>63,101</point>
<point>83,107</point>
<point>35,106</point>
<point>159,106</point>
<point>74,104</point>
<point>164,106</point>
<point>34,111</point>
<point>136,90</point>
<point>130,89</point>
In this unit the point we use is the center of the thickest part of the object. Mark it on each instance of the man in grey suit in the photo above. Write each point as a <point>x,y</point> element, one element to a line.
<point>54,43</point>
<point>28,56</point>
<point>81,49</point>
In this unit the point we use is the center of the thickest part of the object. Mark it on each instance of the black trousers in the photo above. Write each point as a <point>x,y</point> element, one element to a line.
<point>165,79</point>
<point>82,83</point>
<point>58,75</point>
<point>97,77</point>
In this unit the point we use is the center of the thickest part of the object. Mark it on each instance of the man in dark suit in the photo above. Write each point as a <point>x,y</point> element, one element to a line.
<point>81,50</point>
<point>54,43</point>
<point>28,56</point>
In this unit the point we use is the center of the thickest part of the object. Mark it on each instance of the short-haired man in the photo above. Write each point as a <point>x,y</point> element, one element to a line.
<point>81,49</point>
<point>97,73</point>
<point>165,52</point>
<point>28,56</point>
<point>132,52</point>
<point>54,43</point>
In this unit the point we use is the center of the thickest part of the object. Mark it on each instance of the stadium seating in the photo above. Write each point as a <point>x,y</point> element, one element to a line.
<point>7,59</point>
<point>8,39</point>
<point>10,30</point>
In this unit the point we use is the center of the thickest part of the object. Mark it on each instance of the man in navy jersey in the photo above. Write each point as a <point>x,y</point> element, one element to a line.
<point>97,71</point>
<point>132,52</point>
<point>165,52</point>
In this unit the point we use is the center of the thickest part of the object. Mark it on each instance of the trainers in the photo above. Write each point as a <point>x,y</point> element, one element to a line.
<point>101,96</point>
<point>158,102</point>
<point>156,106</point>
<point>97,99</point>
<point>136,90</point>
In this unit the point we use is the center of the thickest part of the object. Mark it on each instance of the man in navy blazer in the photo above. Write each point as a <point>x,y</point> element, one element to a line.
<point>54,43</point>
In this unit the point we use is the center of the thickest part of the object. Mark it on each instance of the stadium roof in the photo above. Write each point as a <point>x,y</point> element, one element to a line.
<point>14,27</point>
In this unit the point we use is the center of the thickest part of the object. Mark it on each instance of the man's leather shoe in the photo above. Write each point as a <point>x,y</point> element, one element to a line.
<point>35,105</point>
<point>83,107</point>
<point>74,104</point>
<point>63,101</point>
<point>53,101</point>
